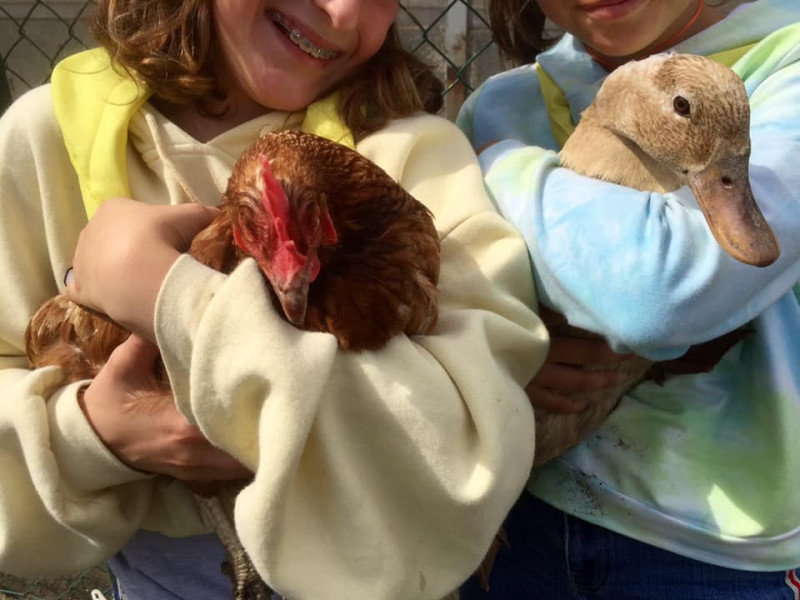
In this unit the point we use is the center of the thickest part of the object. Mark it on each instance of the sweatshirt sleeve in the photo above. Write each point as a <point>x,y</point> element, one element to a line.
<point>66,502</point>
<point>377,474</point>
<point>643,268</point>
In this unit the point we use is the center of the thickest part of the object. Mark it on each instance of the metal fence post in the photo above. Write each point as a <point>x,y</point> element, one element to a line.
<point>455,36</point>
<point>5,90</point>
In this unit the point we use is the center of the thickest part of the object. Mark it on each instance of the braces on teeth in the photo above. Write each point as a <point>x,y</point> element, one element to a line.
<point>302,42</point>
<point>308,46</point>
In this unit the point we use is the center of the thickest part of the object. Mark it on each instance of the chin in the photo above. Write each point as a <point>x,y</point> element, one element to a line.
<point>288,102</point>
<point>292,97</point>
<point>621,53</point>
<point>620,47</point>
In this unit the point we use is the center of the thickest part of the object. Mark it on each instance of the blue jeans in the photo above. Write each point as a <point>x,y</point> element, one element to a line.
<point>553,556</point>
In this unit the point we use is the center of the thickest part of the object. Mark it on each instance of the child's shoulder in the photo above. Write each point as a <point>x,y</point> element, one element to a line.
<point>518,79</point>
<point>32,113</point>
<point>419,142</point>
<point>517,86</point>
<point>39,100</point>
<point>421,122</point>
<point>417,134</point>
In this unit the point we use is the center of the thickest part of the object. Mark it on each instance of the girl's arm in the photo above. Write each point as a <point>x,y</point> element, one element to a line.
<point>66,502</point>
<point>642,268</point>
<point>72,486</point>
<point>378,474</point>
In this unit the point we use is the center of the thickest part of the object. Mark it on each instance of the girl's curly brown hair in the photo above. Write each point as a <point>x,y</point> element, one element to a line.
<point>168,45</point>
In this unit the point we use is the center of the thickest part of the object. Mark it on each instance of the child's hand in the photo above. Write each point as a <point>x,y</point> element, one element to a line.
<point>138,421</point>
<point>566,370</point>
<point>124,253</point>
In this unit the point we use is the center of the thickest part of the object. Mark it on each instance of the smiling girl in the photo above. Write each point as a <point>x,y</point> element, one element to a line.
<point>689,490</point>
<point>378,475</point>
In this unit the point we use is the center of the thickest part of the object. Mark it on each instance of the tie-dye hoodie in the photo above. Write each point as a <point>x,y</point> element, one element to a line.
<point>707,465</point>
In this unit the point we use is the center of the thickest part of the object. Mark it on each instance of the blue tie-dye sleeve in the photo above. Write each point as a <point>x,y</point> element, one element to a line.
<point>643,268</point>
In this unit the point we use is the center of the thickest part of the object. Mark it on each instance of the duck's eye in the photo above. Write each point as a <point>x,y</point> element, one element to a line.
<point>682,106</point>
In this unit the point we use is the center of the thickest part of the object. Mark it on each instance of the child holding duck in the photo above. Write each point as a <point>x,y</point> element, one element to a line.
<point>689,490</point>
<point>378,474</point>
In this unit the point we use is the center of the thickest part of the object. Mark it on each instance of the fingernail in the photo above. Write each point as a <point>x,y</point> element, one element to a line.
<point>69,277</point>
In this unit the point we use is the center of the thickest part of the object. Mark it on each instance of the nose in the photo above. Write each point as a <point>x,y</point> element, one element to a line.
<point>343,14</point>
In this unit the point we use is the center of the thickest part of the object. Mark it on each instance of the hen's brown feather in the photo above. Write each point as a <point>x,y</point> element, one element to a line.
<point>76,339</point>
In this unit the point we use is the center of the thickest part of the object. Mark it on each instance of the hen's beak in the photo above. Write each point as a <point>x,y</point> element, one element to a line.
<point>723,191</point>
<point>294,301</point>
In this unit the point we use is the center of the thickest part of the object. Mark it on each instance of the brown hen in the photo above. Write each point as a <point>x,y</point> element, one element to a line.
<point>344,248</point>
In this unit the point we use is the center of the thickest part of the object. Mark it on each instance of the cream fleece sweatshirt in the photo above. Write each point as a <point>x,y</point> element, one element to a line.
<point>378,474</point>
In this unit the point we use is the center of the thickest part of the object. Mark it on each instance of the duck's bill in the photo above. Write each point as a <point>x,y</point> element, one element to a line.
<point>724,194</point>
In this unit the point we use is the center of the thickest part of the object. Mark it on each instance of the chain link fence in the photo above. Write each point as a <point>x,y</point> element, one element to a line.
<point>451,36</point>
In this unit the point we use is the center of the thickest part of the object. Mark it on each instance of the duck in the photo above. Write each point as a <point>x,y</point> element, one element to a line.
<point>656,125</point>
<point>678,119</point>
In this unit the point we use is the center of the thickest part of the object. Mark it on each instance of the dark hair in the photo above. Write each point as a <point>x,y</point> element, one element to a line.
<point>168,45</point>
<point>518,27</point>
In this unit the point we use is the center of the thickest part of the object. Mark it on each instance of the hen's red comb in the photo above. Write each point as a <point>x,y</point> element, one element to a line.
<point>275,199</point>
<point>287,258</point>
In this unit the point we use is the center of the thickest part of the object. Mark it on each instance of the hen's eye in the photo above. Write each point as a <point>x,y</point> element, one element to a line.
<point>682,106</point>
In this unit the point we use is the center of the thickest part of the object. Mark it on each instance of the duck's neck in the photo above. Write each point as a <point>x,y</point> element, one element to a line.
<point>596,151</point>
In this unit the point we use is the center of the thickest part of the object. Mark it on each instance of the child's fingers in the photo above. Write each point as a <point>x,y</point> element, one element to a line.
<point>584,352</point>
<point>138,350</point>
<point>187,220</point>
<point>555,385</point>
<point>134,360</point>
<point>570,380</point>
<point>542,398</point>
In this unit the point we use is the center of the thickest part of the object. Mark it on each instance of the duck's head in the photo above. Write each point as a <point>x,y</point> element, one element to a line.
<point>692,115</point>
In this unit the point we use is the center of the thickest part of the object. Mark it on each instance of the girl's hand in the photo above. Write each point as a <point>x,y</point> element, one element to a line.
<point>124,253</point>
<point>136,418</point>
<point>566,370</point>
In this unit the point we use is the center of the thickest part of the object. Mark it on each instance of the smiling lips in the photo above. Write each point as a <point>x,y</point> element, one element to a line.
<point>609,9</point>
<point>301,41</point>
